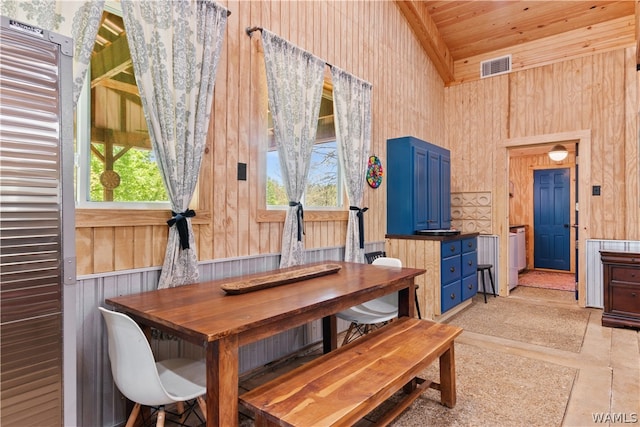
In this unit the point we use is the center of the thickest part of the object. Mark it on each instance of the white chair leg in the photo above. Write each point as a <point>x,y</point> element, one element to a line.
<point>160,420</point>
<point>134,415</point>
<point>203,407</point>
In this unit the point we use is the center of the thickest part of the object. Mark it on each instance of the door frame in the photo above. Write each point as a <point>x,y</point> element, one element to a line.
<point>501,211</point>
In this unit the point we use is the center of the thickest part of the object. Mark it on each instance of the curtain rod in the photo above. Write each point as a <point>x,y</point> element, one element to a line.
<point>251,30</point>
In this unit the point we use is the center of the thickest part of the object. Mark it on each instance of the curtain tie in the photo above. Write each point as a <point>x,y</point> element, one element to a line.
<point>180,220</point>
<point>360,222</point>
<point>300,214</point>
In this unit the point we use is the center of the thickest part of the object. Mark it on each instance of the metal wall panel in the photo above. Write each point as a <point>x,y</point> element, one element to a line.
<point>31,228</point>
<point>489,253</point>
<point>99,401</point>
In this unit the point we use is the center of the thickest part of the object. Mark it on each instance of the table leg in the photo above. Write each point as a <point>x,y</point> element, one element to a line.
<point>329,333</point>
<point>406,300</point>
<point>448,378</point>
<point>222,382</point>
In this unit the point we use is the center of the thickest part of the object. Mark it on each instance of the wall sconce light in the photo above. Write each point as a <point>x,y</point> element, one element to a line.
<point>558,153</point>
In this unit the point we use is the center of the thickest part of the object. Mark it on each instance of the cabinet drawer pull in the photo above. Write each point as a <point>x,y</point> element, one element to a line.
<point>452,269</point>
<point>453,296</point>
<point>453,248</point>
<point>470,262</point>
<point>469,286</point>
<point>633,294</point>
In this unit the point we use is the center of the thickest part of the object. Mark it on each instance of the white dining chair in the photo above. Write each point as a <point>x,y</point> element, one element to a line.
<point>146,382</point>
<point>371,314</point>
<point>372,256</point>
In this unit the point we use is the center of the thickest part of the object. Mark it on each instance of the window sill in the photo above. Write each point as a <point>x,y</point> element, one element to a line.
<point>134,217</point>
<point>130,217</point>
<point>265,215</point>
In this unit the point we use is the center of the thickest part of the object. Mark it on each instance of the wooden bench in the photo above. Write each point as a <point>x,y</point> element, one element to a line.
<point>341,387</point>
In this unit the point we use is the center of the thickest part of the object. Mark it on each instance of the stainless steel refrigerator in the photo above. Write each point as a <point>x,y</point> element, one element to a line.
<point>37,259</point>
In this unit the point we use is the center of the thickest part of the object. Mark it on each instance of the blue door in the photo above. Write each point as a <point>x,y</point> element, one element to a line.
<point>551,214</point>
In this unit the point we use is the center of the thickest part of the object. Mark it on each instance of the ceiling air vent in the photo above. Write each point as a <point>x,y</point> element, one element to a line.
<point>495,66</point>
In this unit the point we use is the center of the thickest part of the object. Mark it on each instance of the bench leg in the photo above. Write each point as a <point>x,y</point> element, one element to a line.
<point>448,378</point>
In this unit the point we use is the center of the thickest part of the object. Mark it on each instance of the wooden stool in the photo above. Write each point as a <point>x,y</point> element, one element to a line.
<point>481,269</point>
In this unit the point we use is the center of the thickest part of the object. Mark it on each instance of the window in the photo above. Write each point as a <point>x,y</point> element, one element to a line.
<point>324,183</point>
<point>116,164</point>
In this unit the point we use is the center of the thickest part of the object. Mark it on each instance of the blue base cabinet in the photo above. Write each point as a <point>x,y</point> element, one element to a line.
<point>418,186</point>
<point>450,274</point>
<point>458,277</point>
<point>450,279</point>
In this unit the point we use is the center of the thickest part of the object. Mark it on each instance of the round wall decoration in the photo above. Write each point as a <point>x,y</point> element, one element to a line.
<point>374,172</point>
<point>110,179</point>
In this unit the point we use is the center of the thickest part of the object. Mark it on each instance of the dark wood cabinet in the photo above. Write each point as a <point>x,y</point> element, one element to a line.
<point>621,274</point>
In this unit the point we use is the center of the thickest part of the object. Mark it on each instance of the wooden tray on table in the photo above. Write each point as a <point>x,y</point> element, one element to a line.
<point>279,278</point>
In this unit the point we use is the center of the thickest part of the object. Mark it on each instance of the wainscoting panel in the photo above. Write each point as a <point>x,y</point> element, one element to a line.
<point>98,400</point>
<point>595,286</point>
<point>489,253</point>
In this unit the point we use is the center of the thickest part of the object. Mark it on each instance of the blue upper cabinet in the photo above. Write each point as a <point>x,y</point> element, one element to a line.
<point>419,199</point>
<point>418,186</point>
<point>445,190</point>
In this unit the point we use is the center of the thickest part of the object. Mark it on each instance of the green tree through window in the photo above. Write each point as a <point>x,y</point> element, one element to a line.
<point>143,183</point>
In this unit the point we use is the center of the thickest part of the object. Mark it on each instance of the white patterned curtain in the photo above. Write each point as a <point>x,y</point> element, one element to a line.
<point>352,115</point>
<point>294,80</point>
<point>175,47</point>
<point>79,20</point>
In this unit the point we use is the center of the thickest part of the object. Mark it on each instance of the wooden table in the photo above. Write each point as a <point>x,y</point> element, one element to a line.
<point>205,315</point>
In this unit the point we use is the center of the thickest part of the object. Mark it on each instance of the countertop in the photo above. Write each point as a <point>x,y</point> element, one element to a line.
<point>436,238</point>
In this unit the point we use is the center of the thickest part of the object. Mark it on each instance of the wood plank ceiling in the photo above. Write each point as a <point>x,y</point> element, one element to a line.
<point>452,31</point>
<point>449,31</point>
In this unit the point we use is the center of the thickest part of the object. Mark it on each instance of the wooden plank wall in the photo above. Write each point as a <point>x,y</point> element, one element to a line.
<point>477,119</point>
<point>590,93</point>
<point>598,93</point>
<point>370,40</point>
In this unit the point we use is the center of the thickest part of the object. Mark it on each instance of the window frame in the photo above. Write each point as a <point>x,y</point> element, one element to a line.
<point>278,213</point>
<point>83,159</point>
<point>111,214</point>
